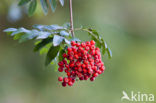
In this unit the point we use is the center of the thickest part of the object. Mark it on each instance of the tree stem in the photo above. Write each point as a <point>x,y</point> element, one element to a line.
<point>71,18</point>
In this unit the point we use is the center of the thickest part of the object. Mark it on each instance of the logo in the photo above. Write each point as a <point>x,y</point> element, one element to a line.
<point>138,96</point>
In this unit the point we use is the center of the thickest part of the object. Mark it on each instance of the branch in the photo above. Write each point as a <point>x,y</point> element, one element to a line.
<point>71,18</point>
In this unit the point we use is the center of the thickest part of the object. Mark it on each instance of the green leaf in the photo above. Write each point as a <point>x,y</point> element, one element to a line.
<point>45,6</point>
<point>109,52</point>
<point>55,65</point>
<point>105,45</point>
<point>48,27</point>
<point>20,30</point>
<point>18,36</point>
<point>10,30</point>
<point>53,4</point>
<point>67,41</point>
<point>34,33</point>
<point>95,32</point>
<point>24,38</point>
<point>57,40</point>
<point>56,27</point>
<point>52,53</point>
<point>103,50</point>
<point>45,49</point>
<point>39,27</point>
<point>98,43</point>
<point>42,44</point>
<point>62,2</point>
<point>60,54</point>
<point>23,2</point>
<point>37,42</point>
<point>64,33</point>
<point>66,25</point>
<point>43,35</point>
<point>32,7</point>
<point>23,34</point>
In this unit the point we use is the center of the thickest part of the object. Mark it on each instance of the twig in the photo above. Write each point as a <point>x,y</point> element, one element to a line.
<point>71,18</point>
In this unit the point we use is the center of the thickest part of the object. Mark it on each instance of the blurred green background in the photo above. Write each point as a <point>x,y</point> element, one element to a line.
<point>128,27</point>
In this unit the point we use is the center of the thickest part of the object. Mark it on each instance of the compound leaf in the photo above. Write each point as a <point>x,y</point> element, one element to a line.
<point>62,2</point>
<point>109,52</point>
<point>53,4</point>
<point>43,35</point>
<point>10,30</point>
<point>24,38</point>
<point>60,54</point>
<point>64,33</point>
<point>45,6</point>
<point>94,32</point>
<point>23,2</point>
<point>32,7</point>
<point>57,40</point>
<point>42,43</point>
<point>52,53</point>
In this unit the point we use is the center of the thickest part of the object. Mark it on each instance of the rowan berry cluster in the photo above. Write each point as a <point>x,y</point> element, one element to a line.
<point>82,61</point>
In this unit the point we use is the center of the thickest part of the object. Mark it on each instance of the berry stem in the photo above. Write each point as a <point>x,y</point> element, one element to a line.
<point>71,18</point>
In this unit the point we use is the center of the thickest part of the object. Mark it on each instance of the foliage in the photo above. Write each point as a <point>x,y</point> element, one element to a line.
<point>52,39</point>
<point>57,36</point>
<point>44,3</point>
<point>99,41</point>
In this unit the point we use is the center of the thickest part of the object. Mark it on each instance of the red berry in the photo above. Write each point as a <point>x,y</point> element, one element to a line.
<point>99,71</point>
<point>64,55</point>
<point>61,63</point>
<point>88,43</point>
<point>69,49</point>
<point>92,79</point>
<point>84,57</point>
<point>71,65</point>
<point>64,61</point>
<point>60,69</point>
<point>83,61</point>
<point>79,69</point>
<point>73,80</point>
<point>83,45</point>
<point>70,58</point>
<point>64,84</point>
<point>70,83</point>
<point>76,56</point>
<point>92,42</point>
<point>95,74</point>
<point>83,66</point>
<point>102,68</point>
<point>86,77</point>
<point>65,79</point>
<point>60,79</point>
<point>90,71</point>
<point>84,71</point>
<point>73,43</point>
<point>68,74</point>
<point>80,48</point>
<point>79,54</point>
<point>81,78</point>
<point>92,47</point>
<point>87,48</point>
<point>77,44</point>
<point>66,70</point>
